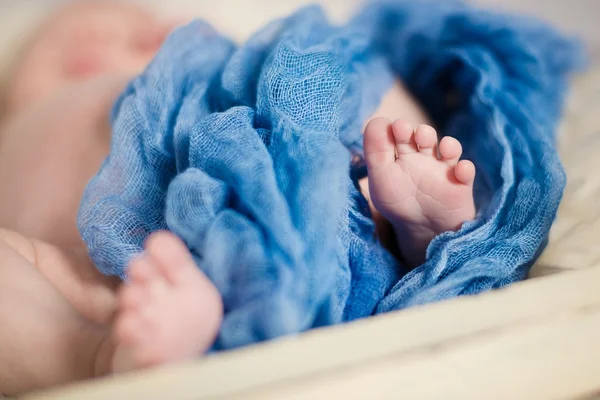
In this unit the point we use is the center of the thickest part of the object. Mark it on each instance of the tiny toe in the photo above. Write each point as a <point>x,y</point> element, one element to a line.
<point>141,269</point>
<point>465,172</point>
<point>379,143</point>
<point>171,256</point>
<point>450,150</point>
<point>426,139</point>
<point>404,137</point>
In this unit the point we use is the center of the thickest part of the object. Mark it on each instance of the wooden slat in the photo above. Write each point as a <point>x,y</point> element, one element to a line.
<point>495,339</point>
<point>555,358</point>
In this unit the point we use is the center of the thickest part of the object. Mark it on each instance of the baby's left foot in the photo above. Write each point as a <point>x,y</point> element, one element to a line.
<point>169,312</point>
<point>421,193</point>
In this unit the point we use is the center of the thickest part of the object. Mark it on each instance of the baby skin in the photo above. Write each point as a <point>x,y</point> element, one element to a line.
<point>94,325</point>
<point>416,183</point>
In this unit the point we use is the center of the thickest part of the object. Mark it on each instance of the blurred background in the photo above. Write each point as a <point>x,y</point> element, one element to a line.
<point>240,17</point>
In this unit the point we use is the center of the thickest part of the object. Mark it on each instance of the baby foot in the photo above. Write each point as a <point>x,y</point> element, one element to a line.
<point>421,193</point>
<point>169,312</point>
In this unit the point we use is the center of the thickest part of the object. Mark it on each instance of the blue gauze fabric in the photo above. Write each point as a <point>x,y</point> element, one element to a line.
<point>245,153</point>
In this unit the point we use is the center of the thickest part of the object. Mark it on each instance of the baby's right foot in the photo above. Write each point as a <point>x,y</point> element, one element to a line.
<point>420,193</point>
<point>169,312</point>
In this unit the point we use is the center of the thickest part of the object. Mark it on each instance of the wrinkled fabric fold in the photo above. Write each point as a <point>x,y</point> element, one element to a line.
<point>244,152</point>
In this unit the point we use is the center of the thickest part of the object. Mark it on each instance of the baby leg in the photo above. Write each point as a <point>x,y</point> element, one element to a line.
<point>44,340</point>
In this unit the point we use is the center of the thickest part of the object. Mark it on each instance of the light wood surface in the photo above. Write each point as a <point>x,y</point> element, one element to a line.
<point>536,339</point>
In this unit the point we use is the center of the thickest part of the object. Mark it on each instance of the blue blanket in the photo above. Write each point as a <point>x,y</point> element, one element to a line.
<point>244,152</point>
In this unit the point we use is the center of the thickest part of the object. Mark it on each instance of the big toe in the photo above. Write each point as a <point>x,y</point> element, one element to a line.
<point>171,257</point>
<point>175,263</point>
<point>379,143</point>
<point>141,270</point>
